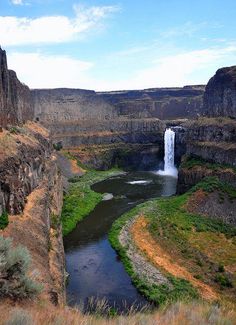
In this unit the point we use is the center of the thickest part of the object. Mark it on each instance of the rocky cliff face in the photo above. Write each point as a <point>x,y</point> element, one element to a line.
<point>220,94</point>
<point>54,106</point>
<point>31,190</point>
<point>31,193</point>
<point>15,98</point>
<point>213,138</point>
<point>22,165</point>
<point>162,103</point>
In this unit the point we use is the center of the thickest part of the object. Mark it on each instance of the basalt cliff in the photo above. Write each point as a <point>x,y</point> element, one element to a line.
<point>15,98</point>
<point>30,185</point>
<point>122,128</point>
<point>211,139</point>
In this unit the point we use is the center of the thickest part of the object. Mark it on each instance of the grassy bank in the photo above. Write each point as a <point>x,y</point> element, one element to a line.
<point>204,247</point>
<point>157,294</point>
<point>81,199</point>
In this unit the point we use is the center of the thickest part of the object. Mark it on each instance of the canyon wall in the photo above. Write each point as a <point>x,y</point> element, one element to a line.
<point>31,191</point>
<point>54,106</point>
<point>15,98</point>
<point>212,139</point>
<point>220,94</point>
<point>161,103</point>
<point>115,122</point>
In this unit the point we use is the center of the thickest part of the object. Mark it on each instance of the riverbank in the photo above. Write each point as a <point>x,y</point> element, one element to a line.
<point>195,253</point>
<point>80,199</point>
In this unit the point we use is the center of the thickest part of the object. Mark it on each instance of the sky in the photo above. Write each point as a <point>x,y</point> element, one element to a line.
<point>117,44</point>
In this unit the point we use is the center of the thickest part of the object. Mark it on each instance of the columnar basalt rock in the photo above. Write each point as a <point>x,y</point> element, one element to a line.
<point>220,94</point>
<point>15,99</point>
<point>161,103</point>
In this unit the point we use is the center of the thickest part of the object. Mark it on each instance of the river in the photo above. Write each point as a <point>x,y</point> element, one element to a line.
<point>93,266</point>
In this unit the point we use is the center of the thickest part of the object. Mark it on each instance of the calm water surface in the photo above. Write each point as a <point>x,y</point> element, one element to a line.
<point>94,267</point>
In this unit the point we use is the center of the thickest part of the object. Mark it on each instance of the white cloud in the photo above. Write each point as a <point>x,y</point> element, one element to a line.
<point>52,29</point>
<point>46,71</point>
<point>17,2</point>
<point>192,67</point>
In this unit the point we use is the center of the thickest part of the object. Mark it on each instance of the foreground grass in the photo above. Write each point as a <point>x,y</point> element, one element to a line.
<point>81,199</point>
<point>205,247</point>
<point>178,314</point>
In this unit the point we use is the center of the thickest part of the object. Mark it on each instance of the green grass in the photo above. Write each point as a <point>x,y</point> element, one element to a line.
<point>157,294</point>
<point>173,227</point>
<point>4,220</point>
<point>191,162</point>
<point>211,184</point>
<point>81,199</point>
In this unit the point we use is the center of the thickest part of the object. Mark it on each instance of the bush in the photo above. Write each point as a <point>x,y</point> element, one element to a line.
<point>223,280</point>
<point>3,220</point>
<point>57,146</point>
<point>14,266</point>
<point>20,317</point>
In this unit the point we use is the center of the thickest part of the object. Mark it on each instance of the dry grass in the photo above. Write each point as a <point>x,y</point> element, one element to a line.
<point>177,314</point>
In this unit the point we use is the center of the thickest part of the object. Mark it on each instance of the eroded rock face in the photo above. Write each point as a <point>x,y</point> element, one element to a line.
<point>162,103</point>
<point>15,98</point>
<point>220,94</point>
<point>213,140</point>
<point>22,168</point>
<point>64,105</point>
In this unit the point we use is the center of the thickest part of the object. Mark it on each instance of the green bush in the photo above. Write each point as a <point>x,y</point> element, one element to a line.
<point>223,280</point>
<point>14,267</point>
<point>57,146</point>
<point>4,220</point>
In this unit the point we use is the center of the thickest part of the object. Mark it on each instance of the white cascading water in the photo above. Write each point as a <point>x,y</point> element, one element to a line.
<point>169,159</point>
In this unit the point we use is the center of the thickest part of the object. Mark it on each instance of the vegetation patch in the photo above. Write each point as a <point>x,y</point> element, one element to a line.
<point>206,247</point>
<point>211,184</point>
<point>14,267</point>
<point>4,220</point>
<point>191,162</point>
<point>81,199</point>
<point>180,289</point>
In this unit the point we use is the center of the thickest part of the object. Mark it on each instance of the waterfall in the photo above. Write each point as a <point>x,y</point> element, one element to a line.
<point>169,159</point>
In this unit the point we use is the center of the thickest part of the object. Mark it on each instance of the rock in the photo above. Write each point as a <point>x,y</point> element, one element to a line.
<point>161,103</point>
<point>220,94</point>
<point>15,98</point>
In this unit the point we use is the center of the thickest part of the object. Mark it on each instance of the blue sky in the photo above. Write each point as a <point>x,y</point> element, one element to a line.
<point>111,45</point>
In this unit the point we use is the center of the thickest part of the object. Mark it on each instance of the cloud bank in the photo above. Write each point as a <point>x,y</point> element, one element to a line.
<point>52,29</point>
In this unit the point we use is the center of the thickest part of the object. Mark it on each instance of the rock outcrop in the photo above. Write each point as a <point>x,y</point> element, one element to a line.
<point>161,103</point>
<point>54,106</point>
<point>15,98</point>
<point>24,154</point>
<point>220,94</point>
<point>31,193</point>
<point>212,139</point>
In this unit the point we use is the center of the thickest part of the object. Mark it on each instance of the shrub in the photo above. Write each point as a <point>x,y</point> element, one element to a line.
<point>223,280</point>
<point>57,146</point>
<point>14,266</point>
<point>3,220</point>
<point>221,268</point>
<point>20,317</point>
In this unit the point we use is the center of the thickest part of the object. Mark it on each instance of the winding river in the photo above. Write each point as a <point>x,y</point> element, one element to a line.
<point>94,267</point>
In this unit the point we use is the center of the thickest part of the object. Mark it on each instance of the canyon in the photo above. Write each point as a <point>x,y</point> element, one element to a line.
<point>41,127</point>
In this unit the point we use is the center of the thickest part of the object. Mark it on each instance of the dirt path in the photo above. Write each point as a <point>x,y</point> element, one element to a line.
<point>144,241</point>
